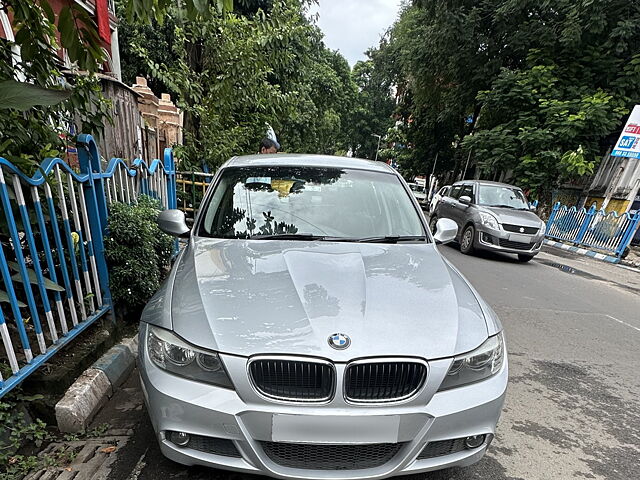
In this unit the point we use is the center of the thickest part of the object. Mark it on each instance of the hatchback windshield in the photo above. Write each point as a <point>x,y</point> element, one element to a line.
<point>502,196</point>
<point>299,202</point>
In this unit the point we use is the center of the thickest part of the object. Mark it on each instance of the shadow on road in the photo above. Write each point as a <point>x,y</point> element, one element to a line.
<point>489,255</point>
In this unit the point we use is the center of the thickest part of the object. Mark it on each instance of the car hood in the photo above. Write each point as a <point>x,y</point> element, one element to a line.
<point>524,218</point>
<point>253,297</point>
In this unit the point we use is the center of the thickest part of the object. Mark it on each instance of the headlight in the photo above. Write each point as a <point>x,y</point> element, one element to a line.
<point>174,355</point>
<point>543,230</point>
<point>489,220</point>
<point>484,361</point>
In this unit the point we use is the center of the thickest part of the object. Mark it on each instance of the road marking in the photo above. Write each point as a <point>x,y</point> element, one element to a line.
<point>630,268</point>
<point>623,323</point>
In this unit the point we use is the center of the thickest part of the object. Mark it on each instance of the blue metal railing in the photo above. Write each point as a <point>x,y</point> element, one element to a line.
<point>595,229</point>
<point>55,281</point>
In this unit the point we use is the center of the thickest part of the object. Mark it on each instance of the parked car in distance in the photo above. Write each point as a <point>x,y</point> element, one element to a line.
<point>492,216</point>
<point>311,329</point>
<point>419,192</point>
<point>438,196</point>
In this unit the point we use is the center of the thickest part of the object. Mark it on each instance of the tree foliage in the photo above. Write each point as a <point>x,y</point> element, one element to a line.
<point>39,102</point>
<point>235,72</point>
<point>33,125</point>
<point>541,85</point>
<point>374,105</point>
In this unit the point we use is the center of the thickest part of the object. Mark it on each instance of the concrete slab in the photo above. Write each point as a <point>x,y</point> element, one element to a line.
<point>83,400</point>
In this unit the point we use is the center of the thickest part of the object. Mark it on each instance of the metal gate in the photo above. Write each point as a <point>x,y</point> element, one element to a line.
<point>54,273</point>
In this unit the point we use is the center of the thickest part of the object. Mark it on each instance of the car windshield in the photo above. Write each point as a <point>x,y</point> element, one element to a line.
<point>310,202</point>
<point>502,196</point>
<point>416,188</point>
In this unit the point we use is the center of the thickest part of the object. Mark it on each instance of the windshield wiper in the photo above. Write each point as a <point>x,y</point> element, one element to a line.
<point>503,206</point>
<point>390,239</point>
<point>288,236</point>
<point>326,238</point>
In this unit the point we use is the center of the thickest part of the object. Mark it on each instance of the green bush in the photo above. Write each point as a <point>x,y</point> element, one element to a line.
<point>137,252</point>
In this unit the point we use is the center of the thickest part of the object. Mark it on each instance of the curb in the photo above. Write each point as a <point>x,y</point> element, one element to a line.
<point>95,386</point>
<point>582,251</point>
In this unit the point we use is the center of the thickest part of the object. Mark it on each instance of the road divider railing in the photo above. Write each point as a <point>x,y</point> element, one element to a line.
<point>55,278</point>
<point>595,229</point>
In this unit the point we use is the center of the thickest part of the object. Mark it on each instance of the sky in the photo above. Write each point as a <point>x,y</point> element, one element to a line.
<point>352,26</point>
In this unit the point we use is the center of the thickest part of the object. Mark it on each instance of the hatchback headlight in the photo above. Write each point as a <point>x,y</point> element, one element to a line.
<point>168,352</point>
<point>489,220</point>
<point>483,362</point>
<point>543,229</point>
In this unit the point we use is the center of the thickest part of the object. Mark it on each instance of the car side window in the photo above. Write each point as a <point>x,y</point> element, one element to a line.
<point>467,190</point>
<point>455,191</point>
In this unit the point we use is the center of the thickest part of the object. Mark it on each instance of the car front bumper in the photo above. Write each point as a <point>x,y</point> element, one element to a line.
<point>177,404</point>
<point>507,242</point>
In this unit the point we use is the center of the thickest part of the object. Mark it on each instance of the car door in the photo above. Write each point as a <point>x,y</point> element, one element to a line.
<point>459,209</point>
<point>444,208</point>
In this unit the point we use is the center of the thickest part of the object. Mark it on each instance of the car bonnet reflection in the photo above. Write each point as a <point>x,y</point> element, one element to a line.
<point>288,297</point>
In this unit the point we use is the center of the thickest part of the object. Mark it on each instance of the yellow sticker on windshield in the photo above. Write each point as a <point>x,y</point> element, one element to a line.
<point>283,187</point>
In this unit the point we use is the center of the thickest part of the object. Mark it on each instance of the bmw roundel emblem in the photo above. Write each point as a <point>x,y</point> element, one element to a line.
<point>339,341</point>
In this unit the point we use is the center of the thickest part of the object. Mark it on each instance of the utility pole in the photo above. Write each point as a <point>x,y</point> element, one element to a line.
<point>433,170</point>
<point>465,167</point>
<point>378,147</point>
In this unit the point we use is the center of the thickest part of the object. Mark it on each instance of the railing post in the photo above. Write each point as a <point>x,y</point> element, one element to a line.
<point>170,168</point>
<point>193,193</point>
<point>629,234</point>
<point>96,201</point>
<point>552,217</point>
<point>585,224</point>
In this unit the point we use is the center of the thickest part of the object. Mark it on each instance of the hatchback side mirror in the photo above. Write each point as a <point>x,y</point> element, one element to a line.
<point>465,199</point>
<point>446,231</point>
<point>173,222</point>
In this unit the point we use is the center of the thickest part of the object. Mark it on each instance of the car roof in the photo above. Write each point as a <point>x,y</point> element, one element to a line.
<point>485,182</point>
<point>307,160</point>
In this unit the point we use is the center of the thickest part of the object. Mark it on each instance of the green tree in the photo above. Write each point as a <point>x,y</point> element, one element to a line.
<point>39,103</point>
<point>374,105</point>
<point>542,85</point>
<point>233,73</point>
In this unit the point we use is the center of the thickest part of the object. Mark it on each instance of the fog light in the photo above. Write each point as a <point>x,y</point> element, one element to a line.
<point>179,438</point>
<point>474,441</point>
<point>486,238</point>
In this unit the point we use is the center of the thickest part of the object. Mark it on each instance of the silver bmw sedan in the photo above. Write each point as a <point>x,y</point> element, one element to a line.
<point>311,329</point>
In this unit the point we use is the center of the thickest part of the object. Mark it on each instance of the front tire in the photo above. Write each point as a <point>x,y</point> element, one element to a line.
<point>466,242</point>
<point>525,258</point>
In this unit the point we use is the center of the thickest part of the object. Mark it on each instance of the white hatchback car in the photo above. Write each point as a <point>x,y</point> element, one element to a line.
<point>439,195</point>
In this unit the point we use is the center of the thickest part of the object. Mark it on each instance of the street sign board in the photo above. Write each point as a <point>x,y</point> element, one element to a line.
<point>629,142</point>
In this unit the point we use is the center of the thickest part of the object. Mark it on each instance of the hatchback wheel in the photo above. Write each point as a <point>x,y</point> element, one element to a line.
<point>466,244</point>
<point>525,258</point>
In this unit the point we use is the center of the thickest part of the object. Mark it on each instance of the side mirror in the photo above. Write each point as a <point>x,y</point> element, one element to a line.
<point>465,200</point>
<point>173,222</point>
<point>446,231</point>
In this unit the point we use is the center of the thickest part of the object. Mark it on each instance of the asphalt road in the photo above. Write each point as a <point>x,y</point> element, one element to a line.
<point>573,408</point>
